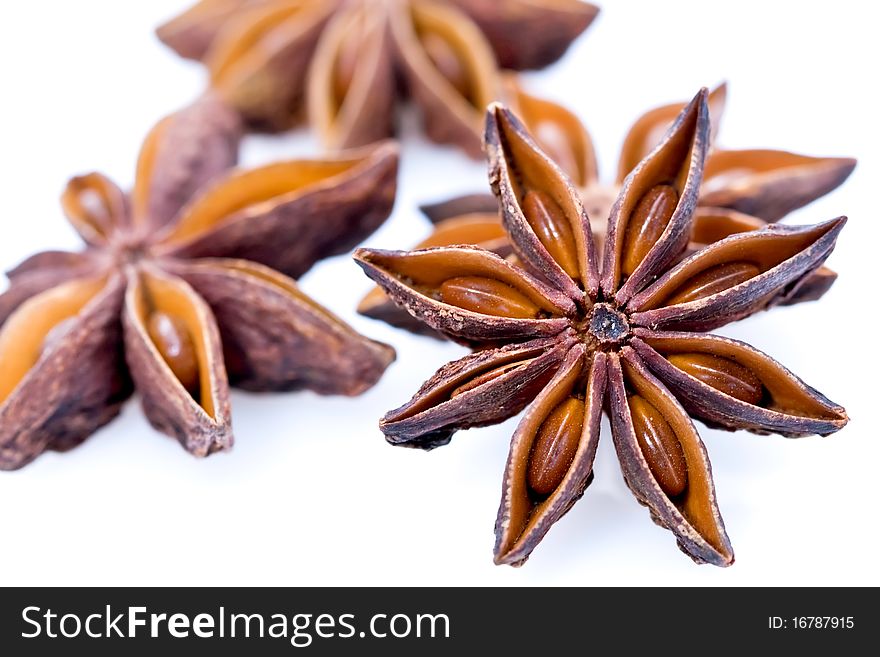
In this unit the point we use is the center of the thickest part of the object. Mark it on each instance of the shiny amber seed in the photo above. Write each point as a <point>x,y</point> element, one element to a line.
<point>660,446</point>
<point>447,62</point>
<point>555,446</point>
<point>487,295</point>
<point>646,224</point>
<point>552,228</point>
<point>175,345</point>
<point>485,377</point>
<point>723,374</point>
<point>713,280</point>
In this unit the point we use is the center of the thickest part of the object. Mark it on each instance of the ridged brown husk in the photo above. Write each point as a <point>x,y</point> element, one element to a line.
<point>184,288</point>
<point>567,335</point>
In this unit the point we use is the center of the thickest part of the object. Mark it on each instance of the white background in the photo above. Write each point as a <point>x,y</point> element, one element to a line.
<point>312,494</point>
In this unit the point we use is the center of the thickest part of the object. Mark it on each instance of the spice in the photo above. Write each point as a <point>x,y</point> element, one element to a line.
<point>566,346</point>
<point>767,183</point>
<point>339,60</point>
<point>184,289</point>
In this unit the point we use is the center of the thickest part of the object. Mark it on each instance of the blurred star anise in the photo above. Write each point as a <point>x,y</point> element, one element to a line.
<point>342,60</point>
<point>768,184</point>
<point>183,289</point>
<point>627,339</point>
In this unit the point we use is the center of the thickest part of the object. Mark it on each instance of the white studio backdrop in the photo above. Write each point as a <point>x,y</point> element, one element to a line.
<point>312,494</point>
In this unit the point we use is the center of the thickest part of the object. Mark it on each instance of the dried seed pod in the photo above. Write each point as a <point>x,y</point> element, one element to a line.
<point>449,69</point>
<point>690,511</point>
<point>526,514</point>
<point>484,230</point>
<point>44,271</point>
<point>648,131</point>
<point>525,34</point>
<point>67,262</point>
<point>555,143</point>
<point>81,373</point>
<point>481,229</point>
<point>289,215</point>
<point>201,140</point>
<point>769,184</point>
<point>809,288</point>
<point>714,224</point>
<point>191,33</point>
<point>344,65</point>
<point>677,162</point>
<point>734,277</point>
<point>199,419</point>
<point>23,339</point>
<point>742,388</point>
<point>539,206</point>
<point>420,275</point>
<point>710,224</point>
<point>483,388</point>
<point>447,61</point>
<point>260,65</point>
<point>557,131</point>
<point>351,80</point>
<point>765,183</point>
<point>93,204</point>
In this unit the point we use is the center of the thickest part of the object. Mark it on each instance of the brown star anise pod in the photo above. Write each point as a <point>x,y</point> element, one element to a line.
<point>182,291</point>
<point>342,60</point>
<point>627,339</point>
<point>766,183</point>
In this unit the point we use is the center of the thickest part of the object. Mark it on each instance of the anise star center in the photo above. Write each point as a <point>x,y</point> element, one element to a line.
<point>129,248</point>
<point>605,327</point>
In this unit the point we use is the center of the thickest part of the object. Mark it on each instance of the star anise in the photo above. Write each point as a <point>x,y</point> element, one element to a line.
<point>183,289</point>
<point>767,183</point>
<point>342,59</point>
<point>628,339</point>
